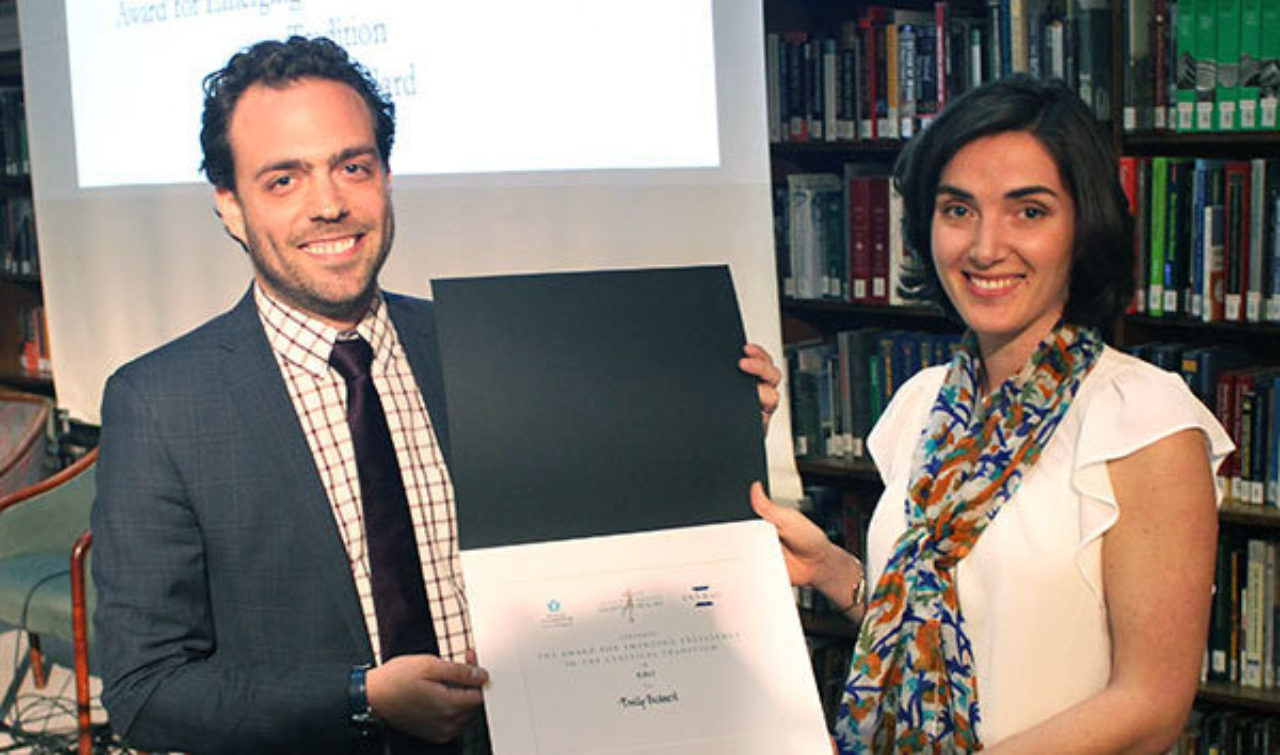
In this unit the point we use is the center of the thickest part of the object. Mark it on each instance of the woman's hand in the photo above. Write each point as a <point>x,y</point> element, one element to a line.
<point>757,362</point>
<point>811,558</point>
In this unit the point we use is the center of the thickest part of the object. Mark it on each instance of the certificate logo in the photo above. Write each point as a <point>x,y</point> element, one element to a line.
<point>631,605</point>
<point>700,596</point>
<point>555,617</point>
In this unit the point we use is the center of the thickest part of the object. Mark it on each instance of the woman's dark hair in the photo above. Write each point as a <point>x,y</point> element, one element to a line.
<point>1102,281</point>
<point>278,64</point>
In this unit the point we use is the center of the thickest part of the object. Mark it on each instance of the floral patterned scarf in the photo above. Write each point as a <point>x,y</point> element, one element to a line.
<point>912,687</point>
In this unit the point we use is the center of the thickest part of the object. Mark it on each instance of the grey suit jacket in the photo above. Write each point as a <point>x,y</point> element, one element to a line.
<point>227,616</point>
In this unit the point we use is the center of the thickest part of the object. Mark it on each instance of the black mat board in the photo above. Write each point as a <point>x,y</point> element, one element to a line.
<point>598,403</point>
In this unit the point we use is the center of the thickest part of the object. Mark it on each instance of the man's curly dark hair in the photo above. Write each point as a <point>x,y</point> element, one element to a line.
<point>278,64</point>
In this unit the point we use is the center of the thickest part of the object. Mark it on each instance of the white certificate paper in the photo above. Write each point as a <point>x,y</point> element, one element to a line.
<point>679,641</point>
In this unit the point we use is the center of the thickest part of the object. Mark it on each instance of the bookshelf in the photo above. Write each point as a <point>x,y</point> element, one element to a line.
<point>1125,55</point>
<point>24,362</point>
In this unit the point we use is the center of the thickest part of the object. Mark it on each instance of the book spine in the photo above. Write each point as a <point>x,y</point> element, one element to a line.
<point>1199,198</point>
<point>1236,251</point>
<point>1250,63</point>
<point>908,77</point>
<point>1254,588</point>
<point>797,119</point>
<point>1259,440</point>
<point>1256,226</point>
<point>1129,182</point>
<point>1215,292</point>
<point>1227,93</point>
<point>1206,46</point>
<point>929,52</point>
<point>830,90</point>
<point>1187,65</point>
<point>1158,235</point>
<point>883,125</point>
<point>1094,59</point>
<point>1272,241</point>
<point>773,85</point>
<point>866,80</point>
<point>1243,436</point>
<point>859,214</point>
<point>1182,234</point>
<point>1138,78</point>
<point>942,52</point>
<point>849,91</point>
<point>1161,94</point>
<point>1272,496</point>
<point>813,88</point>
<point>1220,614</point>
<point>892,83</point>
<point>1019,55</point>
<point>1269,61</point>
<point>879,220</point>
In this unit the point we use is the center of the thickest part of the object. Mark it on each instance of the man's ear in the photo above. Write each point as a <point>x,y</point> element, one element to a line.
<point>231,212</point>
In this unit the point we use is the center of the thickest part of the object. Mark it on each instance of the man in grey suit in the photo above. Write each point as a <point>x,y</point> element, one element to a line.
<point>237,611</point>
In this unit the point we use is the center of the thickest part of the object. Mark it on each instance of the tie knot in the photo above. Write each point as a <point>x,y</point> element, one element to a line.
<point>351,358</point>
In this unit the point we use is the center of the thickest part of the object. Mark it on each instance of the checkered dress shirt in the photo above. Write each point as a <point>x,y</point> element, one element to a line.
<point>302,346</point>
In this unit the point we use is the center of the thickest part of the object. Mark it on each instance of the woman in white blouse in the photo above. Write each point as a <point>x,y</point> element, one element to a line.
<point>1040,565</point>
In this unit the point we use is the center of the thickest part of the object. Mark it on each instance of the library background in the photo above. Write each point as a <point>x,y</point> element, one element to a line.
<point>1189,90</point>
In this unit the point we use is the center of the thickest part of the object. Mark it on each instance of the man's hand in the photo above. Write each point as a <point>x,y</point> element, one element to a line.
<point>426,696</point>
<point>757,362</point>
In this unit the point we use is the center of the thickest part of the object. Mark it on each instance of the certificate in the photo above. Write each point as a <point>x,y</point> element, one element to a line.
<point>682,642</point>
<point>621,592</point>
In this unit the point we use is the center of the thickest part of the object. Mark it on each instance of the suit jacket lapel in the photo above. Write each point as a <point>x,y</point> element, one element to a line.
<point>270,423</point>
<point>416,327</point>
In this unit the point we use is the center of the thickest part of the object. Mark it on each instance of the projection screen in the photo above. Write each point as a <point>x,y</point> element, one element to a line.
<point>550,135</point>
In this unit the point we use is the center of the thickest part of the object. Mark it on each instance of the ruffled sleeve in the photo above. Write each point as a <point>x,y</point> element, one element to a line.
<point>1135,406</point>
<point>893,439</point>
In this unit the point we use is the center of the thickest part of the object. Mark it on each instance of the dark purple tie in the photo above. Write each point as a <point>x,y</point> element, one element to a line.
<point>399,596</point>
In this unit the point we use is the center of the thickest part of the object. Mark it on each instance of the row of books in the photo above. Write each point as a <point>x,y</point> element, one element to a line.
<point>18,253</point>
<point>839,237</point>
<point>1228,732</point>
<point>1201,65</point>
<point>1246,400</point>
<point>33,342</point>
<point>887,73</point>
<point>1205,237</point>
<point>841,385</point>
<point>1244,647</point>
<point>15,159</point>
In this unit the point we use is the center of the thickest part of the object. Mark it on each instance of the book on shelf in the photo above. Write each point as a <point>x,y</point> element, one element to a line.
<point>1242,646</point>
<point>1236,237</point>
<point>13,132</point>
<point>840,385</point>
<point>18,252</point>
<point>1205,237</point>
<point>1157,237</point>
<point>886,73</point>
<point>1249,64</point>
<point>1269,65</point>
<point>813,231</point>
<point>1093,59</point>
<point>1206,57</point>
<point>1227,90</point>
<point>1187,67</point>
<point>1139,76</point>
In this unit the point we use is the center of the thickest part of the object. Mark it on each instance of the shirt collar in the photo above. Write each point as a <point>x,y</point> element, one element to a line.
<point>306,341</point>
